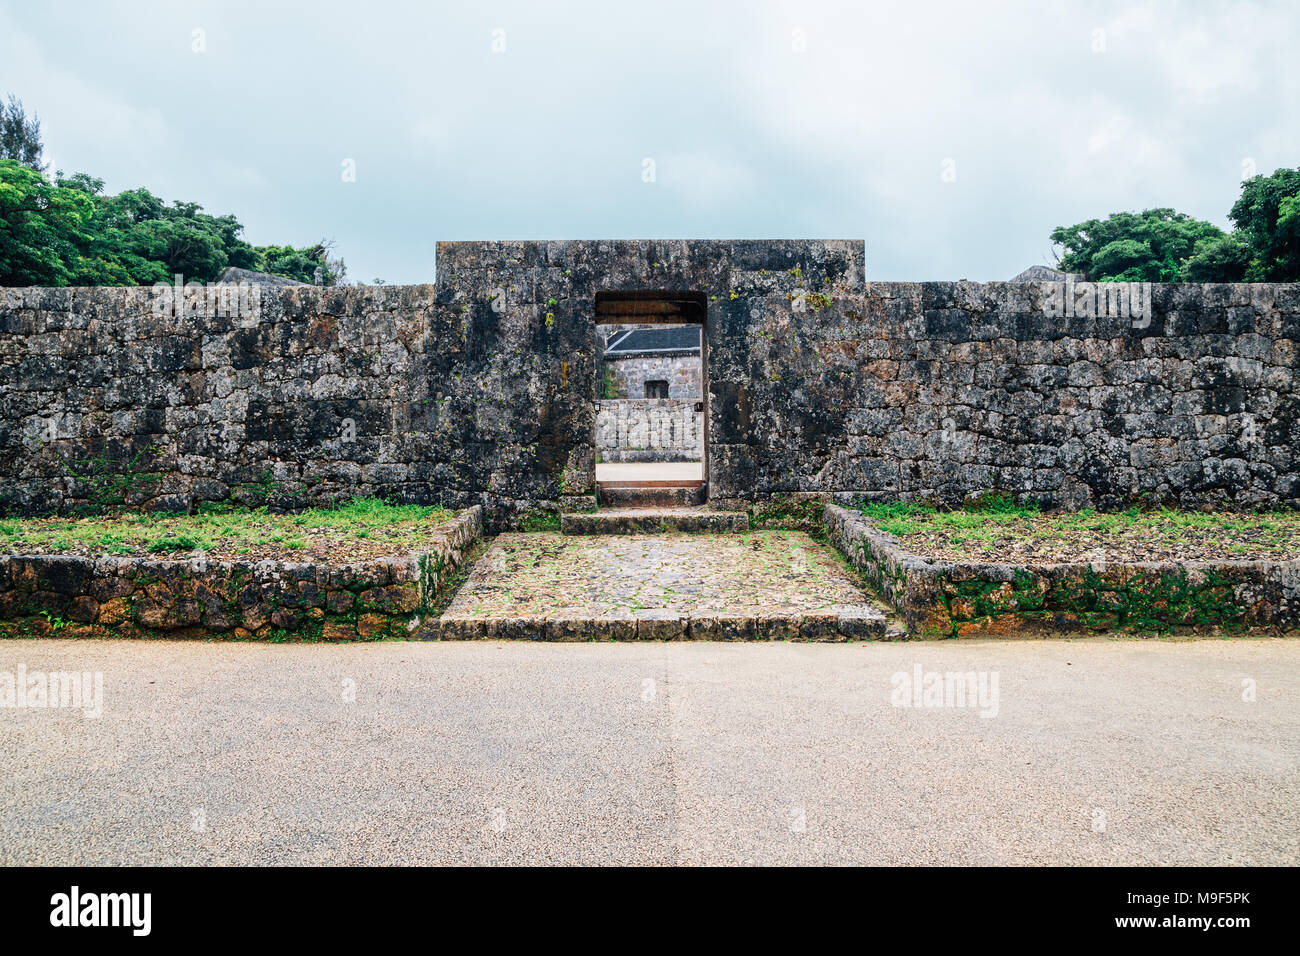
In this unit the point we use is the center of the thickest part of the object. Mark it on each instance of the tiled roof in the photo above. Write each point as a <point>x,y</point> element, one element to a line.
<point>670,338</point>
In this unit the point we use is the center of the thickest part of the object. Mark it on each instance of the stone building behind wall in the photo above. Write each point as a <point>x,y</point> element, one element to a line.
<point>649,429</point>
<point>651,406</point>
<point>653,362</point>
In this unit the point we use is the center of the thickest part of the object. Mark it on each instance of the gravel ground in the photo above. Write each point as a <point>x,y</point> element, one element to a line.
<point>1105,752</point>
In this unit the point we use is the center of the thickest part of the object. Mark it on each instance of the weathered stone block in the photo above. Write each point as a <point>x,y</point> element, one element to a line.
<point>516,629</point>
<point>83,608</point>
<point>339,602</point>
<point>391,599</point>
<point>461,629</point>
<point>338,631</point>
<point>660,625</point>
<point>113,612</point>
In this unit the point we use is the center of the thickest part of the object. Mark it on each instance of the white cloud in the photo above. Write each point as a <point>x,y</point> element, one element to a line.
<point>750,136</point>
<point>80,120</point>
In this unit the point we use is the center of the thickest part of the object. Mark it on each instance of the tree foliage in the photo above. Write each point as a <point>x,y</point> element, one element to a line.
<point>1224,259</point>
<point>20,137</point>
<point>67,232</point>
<point>1267,217</point>
<point>1133,247</point>
<point>312,264</point>
<point>63,230</point>
<point>1160,245</point>
<point>43,227</point>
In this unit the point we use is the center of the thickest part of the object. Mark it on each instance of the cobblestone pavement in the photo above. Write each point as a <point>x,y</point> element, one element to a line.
<point>757,573</point>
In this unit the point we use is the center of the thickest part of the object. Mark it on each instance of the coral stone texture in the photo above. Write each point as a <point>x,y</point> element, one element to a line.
<point>483,388</point>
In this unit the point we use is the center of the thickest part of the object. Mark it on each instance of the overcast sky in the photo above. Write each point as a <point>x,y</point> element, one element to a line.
<point>952,139</point>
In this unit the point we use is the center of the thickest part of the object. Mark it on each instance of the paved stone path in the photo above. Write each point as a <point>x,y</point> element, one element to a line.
<point>1100,752</point>
<point>649,471</point>
<point>762,584</point>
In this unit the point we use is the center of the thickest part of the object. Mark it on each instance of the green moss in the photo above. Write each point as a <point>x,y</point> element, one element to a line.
<point>1144,603</point>
<point>986,521</point>
<point>786,511</point>
<point>539,519</point>
<point>431,574</point>
<point>608,383</point>
<point>109,482</point>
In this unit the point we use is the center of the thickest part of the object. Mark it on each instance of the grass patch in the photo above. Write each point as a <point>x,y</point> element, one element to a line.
<point>363,526</point>
<point>1006,530</point>
<point>780,511</point>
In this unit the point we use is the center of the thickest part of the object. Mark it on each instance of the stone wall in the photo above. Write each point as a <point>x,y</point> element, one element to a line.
<point>681,372</point>
<point>482,389</point>
<point>420,394</point>
<point>649,429</point>
<point>939,390</point>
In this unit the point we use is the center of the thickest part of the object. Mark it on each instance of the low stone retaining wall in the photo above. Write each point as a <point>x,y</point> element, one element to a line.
<point>958,599</point>
<point>71,596</point>
<point>649,429</point>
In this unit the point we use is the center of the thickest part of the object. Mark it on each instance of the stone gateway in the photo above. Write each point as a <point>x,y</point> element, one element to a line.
<point>483,388</point>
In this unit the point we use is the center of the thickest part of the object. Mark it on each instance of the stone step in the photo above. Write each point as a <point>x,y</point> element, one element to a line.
<point>765,585</point>
<point>652,521</point>
<point>849,622</point>
<point>662,495</point>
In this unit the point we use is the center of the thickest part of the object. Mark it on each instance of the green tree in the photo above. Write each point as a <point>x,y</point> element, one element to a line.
<point>42,227</point>
<point>1160,245</point>
<point>65,231</point>
<point>1150,246</point>
<point>20,137</point>
<point>1218,260</point>
<point>314,264</point>
<point>1268,218</point>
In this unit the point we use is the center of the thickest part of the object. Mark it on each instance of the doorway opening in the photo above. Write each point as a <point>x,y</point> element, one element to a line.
<point>652,400</point>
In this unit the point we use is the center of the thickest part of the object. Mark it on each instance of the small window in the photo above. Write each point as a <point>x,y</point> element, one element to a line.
<point>656,389</point>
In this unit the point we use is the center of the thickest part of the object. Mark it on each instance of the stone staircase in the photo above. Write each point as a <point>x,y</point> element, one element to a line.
<point>653,507</point>
<point>653,521</point>
<point>653,494</point>
<point>768,586</point>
